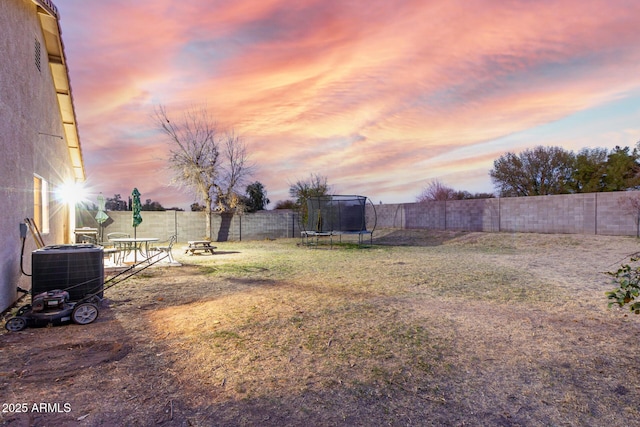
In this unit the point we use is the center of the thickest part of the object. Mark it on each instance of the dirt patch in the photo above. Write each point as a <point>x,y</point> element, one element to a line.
<point>422,329</point>
<point>51,364</point>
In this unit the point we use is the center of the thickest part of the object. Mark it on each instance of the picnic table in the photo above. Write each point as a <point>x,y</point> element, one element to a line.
<point>199,246</point>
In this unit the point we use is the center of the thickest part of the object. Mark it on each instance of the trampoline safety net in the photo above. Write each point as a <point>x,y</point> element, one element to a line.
<point>336,214</point>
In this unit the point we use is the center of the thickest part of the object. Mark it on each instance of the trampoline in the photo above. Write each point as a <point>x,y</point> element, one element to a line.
<point>337,215</point>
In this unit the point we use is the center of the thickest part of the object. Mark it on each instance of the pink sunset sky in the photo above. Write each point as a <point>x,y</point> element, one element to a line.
<point>378,96</point>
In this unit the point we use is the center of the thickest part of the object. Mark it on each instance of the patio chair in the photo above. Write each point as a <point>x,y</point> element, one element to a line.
<point>165,247</point>
<point>113,251</point>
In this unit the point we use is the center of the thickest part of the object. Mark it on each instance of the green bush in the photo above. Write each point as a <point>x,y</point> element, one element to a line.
<point>628,280</point>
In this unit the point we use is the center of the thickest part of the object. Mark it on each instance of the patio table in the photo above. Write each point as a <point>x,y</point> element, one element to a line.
<point>135,244</point>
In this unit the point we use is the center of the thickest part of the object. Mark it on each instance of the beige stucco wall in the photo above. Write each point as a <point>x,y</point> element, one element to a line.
<point>29,109</point>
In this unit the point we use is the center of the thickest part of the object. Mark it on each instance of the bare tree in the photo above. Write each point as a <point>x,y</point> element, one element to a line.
<point>209,163</point>
<point>234,171</point>
<point>436,190</point>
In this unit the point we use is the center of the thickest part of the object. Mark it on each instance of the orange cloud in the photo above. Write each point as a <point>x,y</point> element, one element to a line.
<point>378,96</point>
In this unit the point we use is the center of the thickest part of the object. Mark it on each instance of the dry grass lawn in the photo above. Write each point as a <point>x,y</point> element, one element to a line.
<point>423,328</point>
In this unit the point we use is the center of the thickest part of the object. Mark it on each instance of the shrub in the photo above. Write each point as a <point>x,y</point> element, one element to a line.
<point>628,280</point>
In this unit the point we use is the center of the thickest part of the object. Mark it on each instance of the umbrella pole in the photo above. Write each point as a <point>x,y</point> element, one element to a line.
<point>137,219</point>
<point>135,245</point>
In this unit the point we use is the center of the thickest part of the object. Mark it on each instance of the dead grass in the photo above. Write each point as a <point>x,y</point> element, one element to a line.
<point>423,328</point>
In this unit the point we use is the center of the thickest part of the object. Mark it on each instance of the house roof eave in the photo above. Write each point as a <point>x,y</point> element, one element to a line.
<point>50,24</point>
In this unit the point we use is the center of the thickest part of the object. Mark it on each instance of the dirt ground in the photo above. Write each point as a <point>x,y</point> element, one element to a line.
<point>456,329</point>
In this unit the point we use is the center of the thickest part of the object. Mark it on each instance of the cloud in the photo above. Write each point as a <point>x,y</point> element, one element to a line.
<point>374,95</point>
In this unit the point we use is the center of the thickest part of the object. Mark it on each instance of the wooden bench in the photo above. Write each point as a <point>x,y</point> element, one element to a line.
<point>199,246</point>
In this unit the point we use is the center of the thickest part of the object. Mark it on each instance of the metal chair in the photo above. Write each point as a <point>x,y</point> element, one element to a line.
<point>113,250</point>
<point>165,247</point>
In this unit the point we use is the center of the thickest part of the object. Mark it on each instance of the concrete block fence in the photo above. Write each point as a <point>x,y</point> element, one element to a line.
<point>191,225</point>
<point>589,213</point>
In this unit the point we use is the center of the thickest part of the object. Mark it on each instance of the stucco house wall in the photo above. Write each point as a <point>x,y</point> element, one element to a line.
<point>34,139</point>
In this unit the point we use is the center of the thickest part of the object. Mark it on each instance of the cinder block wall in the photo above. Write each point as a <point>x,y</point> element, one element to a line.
<point>589,213</point>
<point>387,216</point>
<point>610,218</point>
<point>544,214</point>
<point>192,225</point>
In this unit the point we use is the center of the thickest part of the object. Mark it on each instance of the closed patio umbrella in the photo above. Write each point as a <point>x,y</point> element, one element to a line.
<point>137,218</point>
<point>101,215</point>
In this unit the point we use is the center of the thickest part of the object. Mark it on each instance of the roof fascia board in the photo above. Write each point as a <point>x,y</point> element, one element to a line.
<point>56,57</point>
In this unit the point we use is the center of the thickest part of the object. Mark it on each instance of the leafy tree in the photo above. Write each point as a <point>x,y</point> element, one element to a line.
<point>197,207</point>
<point>538,171</point>
<point>464,195</point>
<point>115,203</point>
<point>589,171</point>
<point>207,162</point>
<point>622,169</point>
<point>150,205</point>
<point>552,170</point>
<point>285,204</point>
<point>257,199</point>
